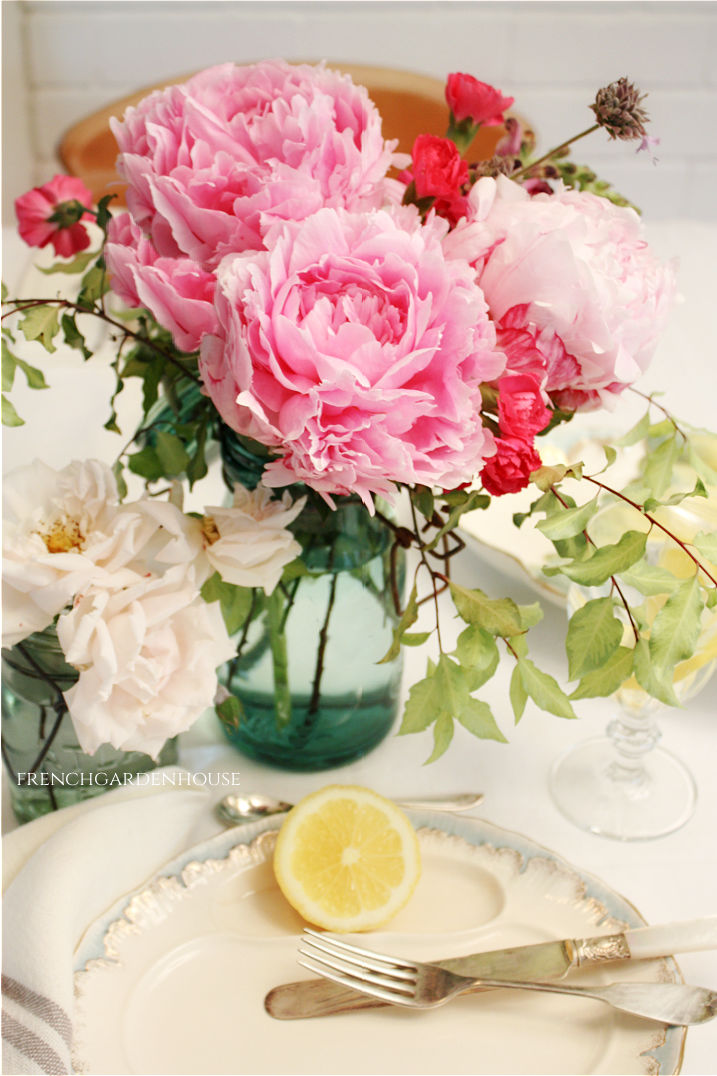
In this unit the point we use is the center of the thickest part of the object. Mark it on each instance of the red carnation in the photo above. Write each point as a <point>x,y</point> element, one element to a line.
<point>439,171</point>
<point>52,214</point>
<point>469,99</point>
<point>511,467</point>
<point>521,410</point>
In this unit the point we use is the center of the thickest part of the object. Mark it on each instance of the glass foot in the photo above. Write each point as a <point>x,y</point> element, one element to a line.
<point>598,793</point>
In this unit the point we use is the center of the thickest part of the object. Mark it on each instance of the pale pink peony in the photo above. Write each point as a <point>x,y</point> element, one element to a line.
<point>355,348</point>
<point>577,298</point>
<point>176,291</point>
<point>212,163</point>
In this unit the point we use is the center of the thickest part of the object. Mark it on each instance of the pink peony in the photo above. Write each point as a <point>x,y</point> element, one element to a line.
<point>577,298</point>
<point>358,350</point>
<point>469,99</point>
<point>36,209</point>
<point>212,163</point>
<point>176,291</point>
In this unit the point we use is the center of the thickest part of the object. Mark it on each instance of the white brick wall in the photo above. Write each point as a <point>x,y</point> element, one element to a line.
<point>77,56</point>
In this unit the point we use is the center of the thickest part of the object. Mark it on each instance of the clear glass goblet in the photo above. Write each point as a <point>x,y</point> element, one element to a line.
<point>622,785</point>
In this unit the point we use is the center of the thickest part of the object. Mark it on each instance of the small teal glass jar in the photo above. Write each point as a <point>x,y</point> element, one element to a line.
<point>312,689</point>
<point>46,768</point>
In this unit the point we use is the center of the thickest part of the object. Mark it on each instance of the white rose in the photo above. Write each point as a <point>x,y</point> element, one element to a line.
<point>147,658</point>
<point>248,544</point>
<point>60,533</point>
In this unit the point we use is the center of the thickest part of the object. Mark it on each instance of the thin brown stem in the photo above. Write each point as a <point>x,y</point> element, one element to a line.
<point>321,652</point>
<point>655,523</point>
<point>666,413</point>
<point>433,575</point>
<point>528,168</point>
<point>613,580</point>
<point>65,304</point>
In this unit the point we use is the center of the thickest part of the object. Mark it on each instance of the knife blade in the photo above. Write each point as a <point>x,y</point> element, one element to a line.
<point>546,960</point>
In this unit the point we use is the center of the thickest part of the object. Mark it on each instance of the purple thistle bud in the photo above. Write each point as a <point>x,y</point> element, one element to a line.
<point>617,108</point>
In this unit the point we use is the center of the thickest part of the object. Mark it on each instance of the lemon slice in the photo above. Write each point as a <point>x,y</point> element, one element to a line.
<point>346,858</point>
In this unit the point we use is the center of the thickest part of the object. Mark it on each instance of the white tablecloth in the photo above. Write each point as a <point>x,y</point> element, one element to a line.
<point>671,878</point>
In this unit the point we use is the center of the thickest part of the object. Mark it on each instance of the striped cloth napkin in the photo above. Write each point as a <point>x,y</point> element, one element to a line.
<point>104,849</point>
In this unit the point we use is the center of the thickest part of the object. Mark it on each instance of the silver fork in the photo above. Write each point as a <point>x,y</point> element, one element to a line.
<point>424,986</point>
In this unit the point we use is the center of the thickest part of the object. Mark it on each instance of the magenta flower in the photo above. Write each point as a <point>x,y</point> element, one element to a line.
<point>355,349</point>
<point>577,298</point>
<point>52,214</point>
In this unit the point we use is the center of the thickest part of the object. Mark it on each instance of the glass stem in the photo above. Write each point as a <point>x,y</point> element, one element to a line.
<point>323,639</point>
<point>633,737</point>
<point>279,656</point>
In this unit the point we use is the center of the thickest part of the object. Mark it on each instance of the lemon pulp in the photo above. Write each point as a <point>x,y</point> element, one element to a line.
<point>346,858</point>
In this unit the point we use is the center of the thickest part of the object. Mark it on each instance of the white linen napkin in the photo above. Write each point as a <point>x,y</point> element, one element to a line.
<point>107,848</point>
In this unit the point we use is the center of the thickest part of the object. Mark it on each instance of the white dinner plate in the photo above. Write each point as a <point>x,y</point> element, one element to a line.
<point>173,978</point>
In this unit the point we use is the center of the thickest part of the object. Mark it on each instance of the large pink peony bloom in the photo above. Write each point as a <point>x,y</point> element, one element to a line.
<point>176,291</point>
<point>358,350</point>
<point>576,296</point>
<point>212,163</point>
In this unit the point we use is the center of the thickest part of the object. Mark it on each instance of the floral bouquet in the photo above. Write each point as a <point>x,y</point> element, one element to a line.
<point>385,339</point>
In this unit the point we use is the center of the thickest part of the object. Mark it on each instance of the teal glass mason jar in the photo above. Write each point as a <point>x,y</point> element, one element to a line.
<point>45,766</point>
<point>313,692</point>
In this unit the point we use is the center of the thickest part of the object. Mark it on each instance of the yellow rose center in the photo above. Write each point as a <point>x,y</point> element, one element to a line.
<point>63,536</point>
<point>210,531</point>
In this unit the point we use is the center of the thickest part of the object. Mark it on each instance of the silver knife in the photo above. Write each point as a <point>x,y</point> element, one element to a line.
<point>546,960</point>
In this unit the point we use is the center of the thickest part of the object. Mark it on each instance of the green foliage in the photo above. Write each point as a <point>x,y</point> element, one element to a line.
<point>10,416</point>
<point>582,178</point>
<point>235,602</point>
<point>608,677</point>
<point>78,264</point>
<point>477,650</point>
<point>594,634</point>
<point>10,364</point>
<point>660,466</point>
<point>518,694</point>
<point>605,561</point>
<point>95,284</point>
<point>230,712</point>
<point>41,323</point>
<point>676,628</point>
<point>444,696</point>
<point>706,543</point>
<point>458,503</point>
<point>498,616</point>
<point>543,689</point>
<point>73,336</point>
<point>569,522</point>
<point>408,619</point>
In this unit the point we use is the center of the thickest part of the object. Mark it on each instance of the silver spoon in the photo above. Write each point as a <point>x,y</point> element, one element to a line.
<point>233,810</point>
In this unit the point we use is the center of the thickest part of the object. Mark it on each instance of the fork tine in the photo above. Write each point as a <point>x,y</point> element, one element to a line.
<point>370,953</point>
<point>362,974</point>
<point>371,961</point>
<point>391,996</point>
